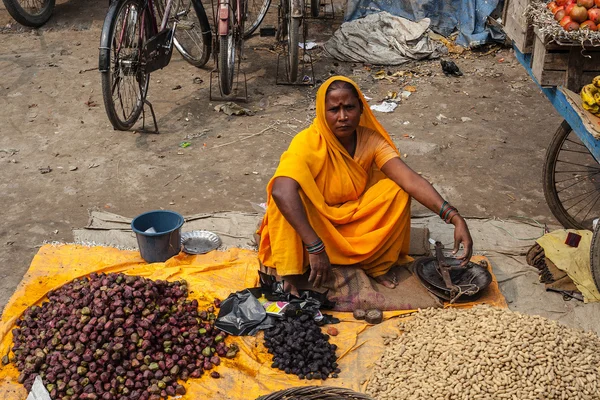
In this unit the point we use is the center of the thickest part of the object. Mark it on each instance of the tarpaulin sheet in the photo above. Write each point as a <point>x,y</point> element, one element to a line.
<point>211,275</point>
<point>467,16</point>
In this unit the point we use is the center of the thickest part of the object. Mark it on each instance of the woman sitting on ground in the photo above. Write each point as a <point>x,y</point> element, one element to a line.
<point>341,195</point>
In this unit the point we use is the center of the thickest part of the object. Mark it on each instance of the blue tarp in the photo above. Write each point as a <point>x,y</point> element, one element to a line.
<point>467,16</point>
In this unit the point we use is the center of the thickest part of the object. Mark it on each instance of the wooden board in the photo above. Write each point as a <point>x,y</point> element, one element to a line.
<point>567,66</point>
<point>516,25</point>
<point>589,120</point>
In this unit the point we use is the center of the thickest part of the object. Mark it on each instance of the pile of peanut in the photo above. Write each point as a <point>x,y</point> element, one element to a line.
<point>487,353</point>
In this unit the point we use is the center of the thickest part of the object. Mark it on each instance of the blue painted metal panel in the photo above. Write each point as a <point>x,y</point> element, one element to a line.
<point>564,108</point>
<point>467,16</point>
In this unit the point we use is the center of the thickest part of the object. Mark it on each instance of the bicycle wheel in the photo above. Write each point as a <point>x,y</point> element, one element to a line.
<point>124,82</point>
<point>571,180</point>
<point>255,13</point>
<point>33,13</point>
<point>227,56</point>
<point>595,256</point>
<point>193,37</point>
<point>293,37</point>
<point>314,7</point>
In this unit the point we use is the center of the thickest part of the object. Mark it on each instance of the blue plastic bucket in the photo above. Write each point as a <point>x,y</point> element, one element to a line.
<point>158,234</point>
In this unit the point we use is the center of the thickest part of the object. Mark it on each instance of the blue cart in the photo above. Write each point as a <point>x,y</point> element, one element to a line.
<point>571,177</point>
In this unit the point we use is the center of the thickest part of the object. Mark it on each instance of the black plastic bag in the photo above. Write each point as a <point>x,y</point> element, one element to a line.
<point>309,302</point>
<point>241,314</point>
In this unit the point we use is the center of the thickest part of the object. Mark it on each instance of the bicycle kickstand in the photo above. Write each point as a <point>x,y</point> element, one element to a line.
<point>146,102</point>
<point>153,117</point>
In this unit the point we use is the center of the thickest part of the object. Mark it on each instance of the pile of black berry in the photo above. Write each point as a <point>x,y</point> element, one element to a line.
<point>299,347</point>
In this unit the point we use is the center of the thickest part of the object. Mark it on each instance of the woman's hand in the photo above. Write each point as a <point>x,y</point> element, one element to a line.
<point>320,269</point>
<point>462,235</point>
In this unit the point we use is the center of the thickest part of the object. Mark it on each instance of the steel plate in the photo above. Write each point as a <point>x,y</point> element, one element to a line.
<point>200,242</point>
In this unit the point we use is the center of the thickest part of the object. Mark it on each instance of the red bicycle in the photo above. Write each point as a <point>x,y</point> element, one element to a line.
<point>229,22</point>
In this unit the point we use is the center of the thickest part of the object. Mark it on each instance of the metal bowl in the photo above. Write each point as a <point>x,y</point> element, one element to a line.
<point>471,280</point>
<point>200,242</point>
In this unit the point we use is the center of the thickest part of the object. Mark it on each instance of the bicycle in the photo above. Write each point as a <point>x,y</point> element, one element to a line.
<point>257,10</point>
<point>229,29</point>
<point>133,45</point>
<point>32,13</point>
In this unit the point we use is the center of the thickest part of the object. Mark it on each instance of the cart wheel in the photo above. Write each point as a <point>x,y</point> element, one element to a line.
<point>571,180</point>
<point>595,256</point>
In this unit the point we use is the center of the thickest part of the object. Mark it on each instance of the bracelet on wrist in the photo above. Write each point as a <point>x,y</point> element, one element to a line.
<point>316,247</point>
<point>451,215</point>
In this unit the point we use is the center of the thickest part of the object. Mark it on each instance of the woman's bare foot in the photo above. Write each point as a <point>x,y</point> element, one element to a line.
<point>387,280</point>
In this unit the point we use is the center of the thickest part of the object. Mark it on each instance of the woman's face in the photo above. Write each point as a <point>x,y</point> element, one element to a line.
<point>342,112</point>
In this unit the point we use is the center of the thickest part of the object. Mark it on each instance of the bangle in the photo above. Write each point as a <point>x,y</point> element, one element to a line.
<point>451,215</point>
<point>444,204</point>
<point>316,247</point>
<point>448,212</point>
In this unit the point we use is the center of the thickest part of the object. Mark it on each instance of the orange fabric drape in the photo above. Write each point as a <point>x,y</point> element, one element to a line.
<point>362,217</point>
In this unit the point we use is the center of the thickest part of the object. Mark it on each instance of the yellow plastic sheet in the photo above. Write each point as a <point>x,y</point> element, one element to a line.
<point>575,261</point>
<point>216,274</point>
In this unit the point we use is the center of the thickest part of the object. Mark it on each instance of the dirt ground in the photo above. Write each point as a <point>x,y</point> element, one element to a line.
<point>52,115</point>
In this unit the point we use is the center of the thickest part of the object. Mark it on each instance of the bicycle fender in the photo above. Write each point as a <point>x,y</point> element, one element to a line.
<point>297,8</point>
<point>223,18</point>
<point>104,54</point>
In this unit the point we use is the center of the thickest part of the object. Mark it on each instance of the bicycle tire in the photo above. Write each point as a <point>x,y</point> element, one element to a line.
<point>22,16</point>
<point>293,40</point>
<point>123,66</point>
<point>226,63</point>
<point>565,154</point>
<point>595,256</point>
<point>255,20</point>
<point>227,56</point>
<point>193,36</point>
<point>314,7</point>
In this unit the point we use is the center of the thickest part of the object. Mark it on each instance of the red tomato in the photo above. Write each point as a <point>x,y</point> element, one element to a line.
<point>569,8</point>
<point>588,25</point>
<point>552,6</point>
<point>594,15</point>
<point>566,19</point>
<point>560,14</point>
<point>586,3</point>
<point>571,26</point>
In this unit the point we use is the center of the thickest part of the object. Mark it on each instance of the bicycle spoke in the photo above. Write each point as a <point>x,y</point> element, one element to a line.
<point>575,177</point>
<point>591,208</point>
<point>576,143</point>
<point>575,151</point>
<point>577,196</point>
<point>580,165</point>
<point>579,181</point>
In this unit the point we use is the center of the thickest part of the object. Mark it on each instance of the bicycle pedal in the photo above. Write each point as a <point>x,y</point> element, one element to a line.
<point>268,30</point>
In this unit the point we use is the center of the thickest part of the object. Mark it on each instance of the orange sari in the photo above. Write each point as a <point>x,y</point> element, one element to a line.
<point>362,217</point>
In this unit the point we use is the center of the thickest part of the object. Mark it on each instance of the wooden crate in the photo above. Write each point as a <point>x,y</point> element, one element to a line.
<point>516,25</point>
<point>567,65</point>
